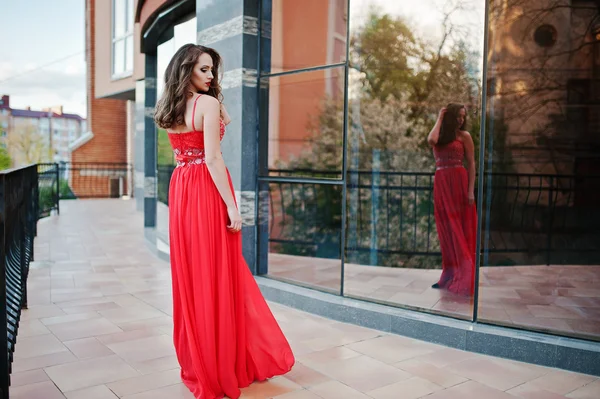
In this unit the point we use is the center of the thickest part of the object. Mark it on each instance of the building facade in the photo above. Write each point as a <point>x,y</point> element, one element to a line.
<point>331,103</point>
<point>39,136</point>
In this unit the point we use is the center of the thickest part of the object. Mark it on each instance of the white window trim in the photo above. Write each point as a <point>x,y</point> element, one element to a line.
<point>123,38</point>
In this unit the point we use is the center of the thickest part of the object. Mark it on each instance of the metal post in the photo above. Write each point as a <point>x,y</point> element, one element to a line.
<point>375,183</point>
<point>57,198</point>
<point>550,221</point>
<point>23,251</point>
<point>36,201</point>
<point>481,177</point>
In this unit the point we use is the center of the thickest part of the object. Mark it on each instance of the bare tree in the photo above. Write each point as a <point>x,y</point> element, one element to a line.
<point>26,146</point>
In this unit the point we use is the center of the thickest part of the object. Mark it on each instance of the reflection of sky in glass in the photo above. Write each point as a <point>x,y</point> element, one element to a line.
<point>426,16</point>
<point>184,33</point>
<point>164,52</point>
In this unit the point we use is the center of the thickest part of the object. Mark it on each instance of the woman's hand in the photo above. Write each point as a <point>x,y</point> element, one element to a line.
<point>235,219</point>
<point>441,114</point>
<point>225,115</point>
<point>471,198</point>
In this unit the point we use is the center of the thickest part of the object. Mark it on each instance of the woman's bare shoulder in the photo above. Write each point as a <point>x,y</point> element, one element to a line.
<point>463,136</point>
<point>204,105</point>
<point>205,99</point>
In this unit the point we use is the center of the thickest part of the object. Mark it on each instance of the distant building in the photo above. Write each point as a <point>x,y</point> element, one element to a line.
<point>51,130</point>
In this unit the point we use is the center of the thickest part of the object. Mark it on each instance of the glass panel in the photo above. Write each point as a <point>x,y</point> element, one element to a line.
<point>411,231</point>
<point>119,18</point>
<point>541,240</point>
<point>300,232</point>
<point>129,54</point>
<point>305,124</point>
<point>119,57</point>
<point>303,34</point>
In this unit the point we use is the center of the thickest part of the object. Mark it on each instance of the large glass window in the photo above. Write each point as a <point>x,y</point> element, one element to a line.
<point>122,38</point>
<point>499,225</point>
<point>541,240</point>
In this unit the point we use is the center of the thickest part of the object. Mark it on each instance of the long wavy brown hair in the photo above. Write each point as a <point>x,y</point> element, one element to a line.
<point>450,124</point>
<point>170,109</point>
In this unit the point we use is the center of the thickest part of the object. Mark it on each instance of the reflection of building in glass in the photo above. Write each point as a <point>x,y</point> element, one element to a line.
<point>542,84</point>
<point>543,66</point>
<point>303,35</point>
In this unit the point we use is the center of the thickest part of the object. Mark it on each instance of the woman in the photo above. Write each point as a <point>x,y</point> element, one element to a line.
<point>454,199</point>
<point>224,333</point>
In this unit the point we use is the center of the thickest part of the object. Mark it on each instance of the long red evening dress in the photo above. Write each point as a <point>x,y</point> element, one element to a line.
<point>455,219</point>
<point>225,335</point>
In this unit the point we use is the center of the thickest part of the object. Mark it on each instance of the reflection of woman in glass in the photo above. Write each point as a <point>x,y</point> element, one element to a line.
<point>225,336</point>
<point>454,200</point>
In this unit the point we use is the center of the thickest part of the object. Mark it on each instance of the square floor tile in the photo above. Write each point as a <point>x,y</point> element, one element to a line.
<point>88,373</point>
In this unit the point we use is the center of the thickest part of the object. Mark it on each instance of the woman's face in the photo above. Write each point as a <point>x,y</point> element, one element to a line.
<point>460,118</point>
<point>202,74</point>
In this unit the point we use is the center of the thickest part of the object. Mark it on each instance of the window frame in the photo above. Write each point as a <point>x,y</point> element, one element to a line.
<point>122,38</point>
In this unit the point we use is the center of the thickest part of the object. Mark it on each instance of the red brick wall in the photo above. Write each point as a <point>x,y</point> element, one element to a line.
<point>107,120</point>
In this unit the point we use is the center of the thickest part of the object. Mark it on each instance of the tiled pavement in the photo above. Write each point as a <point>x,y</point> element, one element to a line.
<point>99,327</point>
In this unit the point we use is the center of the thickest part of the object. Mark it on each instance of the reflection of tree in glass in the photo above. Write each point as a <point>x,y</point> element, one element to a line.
<point>401,83</point>
<point>397,85</point>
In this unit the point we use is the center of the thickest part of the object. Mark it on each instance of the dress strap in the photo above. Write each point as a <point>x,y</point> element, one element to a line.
<point>194,112</point>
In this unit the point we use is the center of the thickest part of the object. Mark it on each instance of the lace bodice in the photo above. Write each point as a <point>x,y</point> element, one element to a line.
<point>189,147</point>
<point>450,155</point>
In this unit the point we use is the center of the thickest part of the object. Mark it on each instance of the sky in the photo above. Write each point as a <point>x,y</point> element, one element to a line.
<point>36,33</point>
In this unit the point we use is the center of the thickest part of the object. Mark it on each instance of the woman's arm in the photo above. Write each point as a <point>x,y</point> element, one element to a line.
<point>225,115</point>
<point>214,158</point>
<point>470,157</point>
<point>434,135</point>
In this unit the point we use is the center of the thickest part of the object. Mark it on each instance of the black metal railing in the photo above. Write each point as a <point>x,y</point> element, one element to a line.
<point>48,189</point>
<point>543,218</point>
<point>94,180</point>
<point>551,219</point>
<point>81,180</point>
<point>18,217</point>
